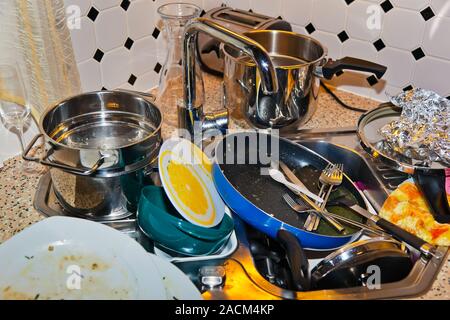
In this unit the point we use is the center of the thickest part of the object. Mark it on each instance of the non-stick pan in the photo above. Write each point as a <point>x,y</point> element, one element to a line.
<point>238,173</point>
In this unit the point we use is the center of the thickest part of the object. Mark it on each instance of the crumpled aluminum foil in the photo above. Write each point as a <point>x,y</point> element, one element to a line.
<point>423,130</point>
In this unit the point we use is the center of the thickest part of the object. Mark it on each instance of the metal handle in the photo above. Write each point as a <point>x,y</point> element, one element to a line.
<point>348,63</point>
<point>44,161</point>
<point>250,47</point>
<point>144,94</point>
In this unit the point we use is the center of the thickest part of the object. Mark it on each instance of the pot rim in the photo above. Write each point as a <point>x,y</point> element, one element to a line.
<point>291,33</point>
<point>54,106</point>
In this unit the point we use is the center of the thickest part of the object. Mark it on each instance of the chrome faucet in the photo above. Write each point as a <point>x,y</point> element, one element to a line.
<point>190,115</point>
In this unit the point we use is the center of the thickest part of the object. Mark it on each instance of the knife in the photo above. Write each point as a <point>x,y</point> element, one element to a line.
<point>293,178</point>
<point>398,233</point>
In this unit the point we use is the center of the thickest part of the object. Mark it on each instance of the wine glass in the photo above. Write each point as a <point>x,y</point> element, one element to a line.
<point>14,109</point>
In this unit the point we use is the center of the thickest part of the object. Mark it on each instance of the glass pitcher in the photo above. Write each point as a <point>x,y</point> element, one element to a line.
<point>174,17</point>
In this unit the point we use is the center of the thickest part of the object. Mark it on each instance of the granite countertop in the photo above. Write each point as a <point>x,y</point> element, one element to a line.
<point>17,188</point>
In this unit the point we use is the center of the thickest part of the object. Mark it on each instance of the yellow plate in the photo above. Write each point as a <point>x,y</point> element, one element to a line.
<point>185,173</point>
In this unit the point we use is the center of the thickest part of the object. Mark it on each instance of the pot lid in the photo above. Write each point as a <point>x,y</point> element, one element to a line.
<point>368,131</point>
<point>347,254</point>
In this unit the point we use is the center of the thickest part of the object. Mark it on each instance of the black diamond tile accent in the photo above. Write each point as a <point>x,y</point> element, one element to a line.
<point>158,67</point>
<point>250,10</point>
<point>386,6</point>
<point>202,13</point>
<point>129,43</point>
<point>104,89</point>
<point>310,28</point>
<point>339,73</point>
<point>155,33</point>
<point>280,17</point>
<point>349,2</point>
<point>407,88</point>
<point>132,79</point>
<point>372,80</point>
<point>98,56</point>
<point>343,36</point>
<point>125,4</point>
<point>427,13</point>
<point>379,45</point>
<point>418,53</point>
<point>92,14</point>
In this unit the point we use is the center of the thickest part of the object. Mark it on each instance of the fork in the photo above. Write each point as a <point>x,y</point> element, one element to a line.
<point>331,176</point>
<point>299,206</point>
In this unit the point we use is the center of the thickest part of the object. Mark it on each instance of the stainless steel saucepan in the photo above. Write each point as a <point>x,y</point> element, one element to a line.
<point>300,61</point>
<point>98,146</point>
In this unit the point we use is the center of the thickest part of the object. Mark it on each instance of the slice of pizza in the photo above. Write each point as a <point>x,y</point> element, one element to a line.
<point>407,208</point>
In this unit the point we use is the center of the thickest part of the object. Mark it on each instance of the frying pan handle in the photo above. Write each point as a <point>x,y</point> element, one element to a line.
<point>432,186</point>
<point>297,260</point>
<point>403,235</point>
<point>349,63</point>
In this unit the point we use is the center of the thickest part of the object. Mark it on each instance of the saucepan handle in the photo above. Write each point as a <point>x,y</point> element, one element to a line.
<point>146,95</point>
<point>432,187</point>
<point>298,262</point>
<point>44,161</point>
<point>331,67</point>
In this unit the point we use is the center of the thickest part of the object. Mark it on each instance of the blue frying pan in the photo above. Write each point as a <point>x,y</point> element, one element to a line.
<point>240,159</point>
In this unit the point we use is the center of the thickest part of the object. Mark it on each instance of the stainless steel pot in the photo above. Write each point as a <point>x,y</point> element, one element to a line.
<point>99,146</point>
<point>300,62</point>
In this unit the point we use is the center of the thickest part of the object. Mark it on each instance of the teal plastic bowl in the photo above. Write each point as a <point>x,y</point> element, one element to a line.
<point>160,221</point>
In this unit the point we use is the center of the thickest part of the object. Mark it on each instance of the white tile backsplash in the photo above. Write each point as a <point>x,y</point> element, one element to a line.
<point>84,42</point>
<point>433,73</point>
<point>293,8</point>
<point>436,41</point>
<point>403,29</point>
<point>105,4</point>
<point>331,42</point>
<point>84,5</point>
<point>399,63</point>
<point>329,15</point>
<point>267,7</point>
<point>411,4</point>
<point>404,26</point>
<point>111,28</point>
<point>90,75</point>
<point>116,67</point>
<point>357,22</point>
<point>441,7</point>
<point>360,49</point>
<point>141,21</point>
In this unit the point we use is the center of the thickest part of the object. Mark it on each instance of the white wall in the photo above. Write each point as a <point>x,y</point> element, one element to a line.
<point>403,29</point>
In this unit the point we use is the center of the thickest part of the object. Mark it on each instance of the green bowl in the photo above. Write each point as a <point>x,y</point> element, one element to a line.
<point>160,221</point>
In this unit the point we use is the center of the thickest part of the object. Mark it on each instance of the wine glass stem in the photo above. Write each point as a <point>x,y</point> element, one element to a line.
<point>22,142</point>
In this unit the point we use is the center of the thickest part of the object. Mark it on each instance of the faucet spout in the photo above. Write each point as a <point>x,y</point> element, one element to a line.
<point>255,51</point>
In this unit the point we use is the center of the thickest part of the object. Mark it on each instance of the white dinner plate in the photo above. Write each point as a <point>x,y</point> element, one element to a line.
<point>178,285</point>
<point>71,258</point>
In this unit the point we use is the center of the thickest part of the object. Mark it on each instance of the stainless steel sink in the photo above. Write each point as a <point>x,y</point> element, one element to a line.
<point>244,281</point>
<point>242,278</point>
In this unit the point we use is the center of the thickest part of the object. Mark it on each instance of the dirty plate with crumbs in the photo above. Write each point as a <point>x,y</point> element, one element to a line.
<point>70,258</point>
